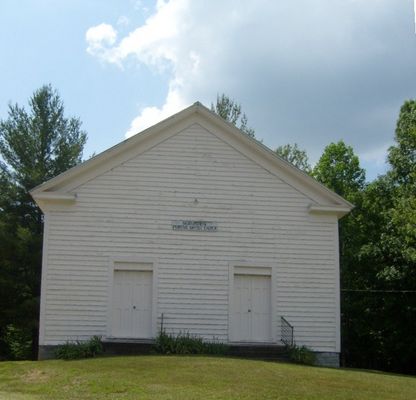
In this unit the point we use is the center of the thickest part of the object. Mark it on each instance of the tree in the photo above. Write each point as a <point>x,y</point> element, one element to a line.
<point>402,156</point>
<point>401,229</point>
<point>295,156</point>
<point>378,259</point>
<point>393,251</point>
<point>380,318</point>
<point>339,169</point>
<point>35,145</point>
<point>231,111</point>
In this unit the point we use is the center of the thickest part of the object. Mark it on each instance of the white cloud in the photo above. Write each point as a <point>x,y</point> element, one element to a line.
<point>305,72</point>
<point>100,38</point>
<point>139,6</point>
<point>151,115</point>
<point>156,45</point>
<point>153,43</point>
<point>123,21</point>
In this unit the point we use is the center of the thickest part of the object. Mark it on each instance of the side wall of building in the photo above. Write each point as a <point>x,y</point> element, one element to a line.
<point>127,214</point>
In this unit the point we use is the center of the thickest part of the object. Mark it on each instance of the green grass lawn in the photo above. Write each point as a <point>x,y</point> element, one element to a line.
<point>195,377</point>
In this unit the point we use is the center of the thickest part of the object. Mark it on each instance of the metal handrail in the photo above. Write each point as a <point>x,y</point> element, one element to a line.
<point>287,332</point>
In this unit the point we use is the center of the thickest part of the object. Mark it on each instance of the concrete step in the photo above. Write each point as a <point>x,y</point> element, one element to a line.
<point>127,346</point>
<point>244,350</point>
<point>259,351</point>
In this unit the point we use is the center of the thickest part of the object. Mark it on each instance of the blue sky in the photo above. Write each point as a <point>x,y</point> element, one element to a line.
<point>310,72</point>
<point>43,41</point>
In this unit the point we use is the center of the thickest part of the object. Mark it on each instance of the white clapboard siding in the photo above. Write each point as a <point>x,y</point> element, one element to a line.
<point>128,211</point>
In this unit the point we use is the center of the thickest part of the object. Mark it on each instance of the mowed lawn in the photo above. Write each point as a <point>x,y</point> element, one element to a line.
<point>194,377</point>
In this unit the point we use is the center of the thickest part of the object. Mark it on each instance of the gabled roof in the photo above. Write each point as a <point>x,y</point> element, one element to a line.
<point>61,187</point>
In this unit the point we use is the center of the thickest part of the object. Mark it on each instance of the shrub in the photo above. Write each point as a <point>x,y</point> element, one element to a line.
<point>18,342</point>
<point>187,344</point>
<point>301,355</point>
<point>78,349</point>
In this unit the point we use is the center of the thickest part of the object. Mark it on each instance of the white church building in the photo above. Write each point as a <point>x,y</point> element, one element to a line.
<point>194,221</point>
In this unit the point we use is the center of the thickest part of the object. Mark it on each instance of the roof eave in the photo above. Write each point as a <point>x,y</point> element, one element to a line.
<point>213,117</point>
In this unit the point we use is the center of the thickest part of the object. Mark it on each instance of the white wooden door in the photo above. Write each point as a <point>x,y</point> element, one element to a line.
<point>251,309</point>
<point>132,304</point>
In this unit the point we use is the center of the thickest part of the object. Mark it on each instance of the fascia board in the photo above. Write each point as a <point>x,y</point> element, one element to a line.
<point>46,200</point>
<point>259,153</point>
<point>56,196</point>
<point>339,211</point>
<point>114,155</point>
<point>156,134</point>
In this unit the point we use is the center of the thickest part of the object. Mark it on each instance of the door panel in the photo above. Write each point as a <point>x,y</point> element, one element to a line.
<point>241,315</point>
<point>251,309</point>
<point>260,308</point>
<point>132,304</point>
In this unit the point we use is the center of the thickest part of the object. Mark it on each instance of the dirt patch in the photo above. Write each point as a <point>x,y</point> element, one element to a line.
<point>35,376</point>
<point>75,382</point>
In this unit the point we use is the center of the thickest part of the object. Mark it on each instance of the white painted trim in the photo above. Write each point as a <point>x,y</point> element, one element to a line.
<point>230,299</point>
<point>271,155</point>
<point>253,268</point>
<point>42,311</point>
<point>57,196</point>
<point>337,210</point>
<point>137,264</point>
<point>110,279</point>
<point>249,270</point>
<point>155,294</point>
<point>265,160</point>
<point>196,113</point>
<point>274,306</point>
<point>132,266</point>
<point>118,153</point>
<point>337,285</point>
<point>53,200</point>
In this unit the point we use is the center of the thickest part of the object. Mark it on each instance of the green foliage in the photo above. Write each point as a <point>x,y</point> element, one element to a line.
<point>339,169</point>
<point>378,262</point>
<point>377,239</point>
<point>39,144</point>
<point>231,111</point>
<point>78,349</point>
<point>35,145</point>
<point>295,156</point>
<point>377,253</point>
<point>301,355</point>
<point>379,280</point>
<point>187,344</point>
<point>18,342</point>
<point>402,156</point>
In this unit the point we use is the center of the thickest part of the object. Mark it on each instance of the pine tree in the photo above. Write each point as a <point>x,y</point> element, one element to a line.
<point>35,145</point>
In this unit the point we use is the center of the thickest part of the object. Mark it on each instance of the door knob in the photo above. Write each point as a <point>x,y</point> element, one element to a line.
<point>134,307</point>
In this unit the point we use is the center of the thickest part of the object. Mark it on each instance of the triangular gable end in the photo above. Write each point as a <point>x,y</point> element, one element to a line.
<point>58,189</point>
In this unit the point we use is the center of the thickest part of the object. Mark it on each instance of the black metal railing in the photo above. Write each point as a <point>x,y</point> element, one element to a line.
<point>286,332</point>
<point>161,323</point>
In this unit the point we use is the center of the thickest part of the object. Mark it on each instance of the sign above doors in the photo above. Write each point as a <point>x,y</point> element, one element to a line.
<point>199,226</point>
